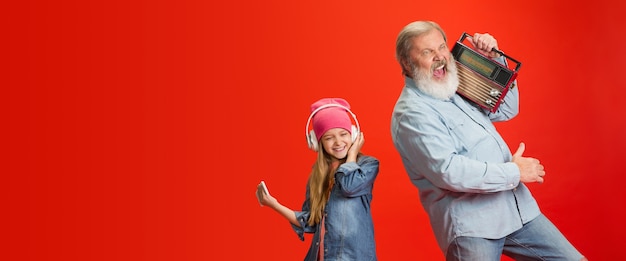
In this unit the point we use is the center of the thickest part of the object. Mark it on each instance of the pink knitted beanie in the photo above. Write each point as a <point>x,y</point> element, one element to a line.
<point>330,117</point>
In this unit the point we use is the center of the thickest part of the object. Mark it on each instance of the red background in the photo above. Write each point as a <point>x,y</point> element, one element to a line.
<point>138,130</point>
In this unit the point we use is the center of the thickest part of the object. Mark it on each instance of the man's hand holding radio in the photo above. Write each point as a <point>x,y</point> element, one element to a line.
<point>485,44</point>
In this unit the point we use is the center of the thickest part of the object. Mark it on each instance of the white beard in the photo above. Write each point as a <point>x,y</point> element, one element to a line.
<point>442,90</point>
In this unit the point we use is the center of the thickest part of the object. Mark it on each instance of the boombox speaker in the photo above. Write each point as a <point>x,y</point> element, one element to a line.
<point>482,79</point>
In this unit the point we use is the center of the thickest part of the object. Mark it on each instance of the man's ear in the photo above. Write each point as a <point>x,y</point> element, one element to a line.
<point>406,67</point>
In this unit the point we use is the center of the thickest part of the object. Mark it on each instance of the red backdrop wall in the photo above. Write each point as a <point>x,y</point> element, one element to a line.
<point>137,130</point>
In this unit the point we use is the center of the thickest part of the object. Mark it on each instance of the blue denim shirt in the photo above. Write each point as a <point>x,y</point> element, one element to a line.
<point>348,217</point>
<point>461,166</point>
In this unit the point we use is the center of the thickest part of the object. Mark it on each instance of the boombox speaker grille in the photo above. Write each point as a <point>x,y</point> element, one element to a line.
<point>477,88</point>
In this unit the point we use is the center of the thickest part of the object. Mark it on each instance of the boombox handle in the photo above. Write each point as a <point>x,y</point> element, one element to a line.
<point>518,64</point>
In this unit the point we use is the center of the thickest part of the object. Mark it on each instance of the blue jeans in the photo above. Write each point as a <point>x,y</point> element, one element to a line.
<point>538,239</point>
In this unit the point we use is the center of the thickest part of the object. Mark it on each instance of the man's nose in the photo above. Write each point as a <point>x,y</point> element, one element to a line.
<point>438,56</point>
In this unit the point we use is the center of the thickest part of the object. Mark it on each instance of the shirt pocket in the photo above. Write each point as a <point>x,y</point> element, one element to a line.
<point>466,133</point>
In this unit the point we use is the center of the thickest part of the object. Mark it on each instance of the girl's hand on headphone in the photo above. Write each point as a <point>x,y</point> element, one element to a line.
<point>355,148</point>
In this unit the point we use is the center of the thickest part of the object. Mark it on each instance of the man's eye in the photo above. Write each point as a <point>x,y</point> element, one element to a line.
<point>426,52</point>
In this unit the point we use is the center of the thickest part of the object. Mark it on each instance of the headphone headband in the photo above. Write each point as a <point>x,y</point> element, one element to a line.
<point>308,122</point>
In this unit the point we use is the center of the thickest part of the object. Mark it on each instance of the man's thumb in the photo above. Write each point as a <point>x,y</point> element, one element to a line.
<point>520,150</point>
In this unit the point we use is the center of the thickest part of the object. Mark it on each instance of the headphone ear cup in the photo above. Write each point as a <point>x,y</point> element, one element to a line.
<point>355,133</point>
<point>312,140</point>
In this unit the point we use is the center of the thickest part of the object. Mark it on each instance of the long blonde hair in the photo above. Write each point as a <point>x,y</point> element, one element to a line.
<point>321,181</point>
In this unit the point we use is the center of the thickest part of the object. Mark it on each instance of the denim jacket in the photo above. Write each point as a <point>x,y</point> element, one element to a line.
<point>348,217</point>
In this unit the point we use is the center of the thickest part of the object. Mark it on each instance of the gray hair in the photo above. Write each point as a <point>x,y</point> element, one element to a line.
<point>404,41</point>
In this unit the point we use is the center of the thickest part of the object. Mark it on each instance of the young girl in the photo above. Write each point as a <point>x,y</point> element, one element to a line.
<point>339,190</point>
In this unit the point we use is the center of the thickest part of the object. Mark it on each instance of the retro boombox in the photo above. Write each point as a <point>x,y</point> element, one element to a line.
<point>481,79</point>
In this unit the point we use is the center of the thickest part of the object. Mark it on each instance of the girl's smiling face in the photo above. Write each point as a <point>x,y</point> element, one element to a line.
<point>336,142</point>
